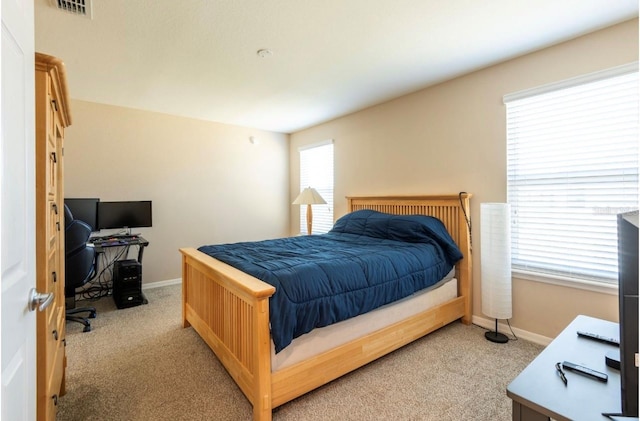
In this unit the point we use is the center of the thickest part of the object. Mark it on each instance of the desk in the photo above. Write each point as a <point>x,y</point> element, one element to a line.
<point>538,392</point>
<point>102,243</point>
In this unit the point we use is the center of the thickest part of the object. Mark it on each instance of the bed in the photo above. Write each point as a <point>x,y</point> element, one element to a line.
<point>229,309</point>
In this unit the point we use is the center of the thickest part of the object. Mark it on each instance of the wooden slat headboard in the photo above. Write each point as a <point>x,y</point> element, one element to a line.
<point>449,209</point>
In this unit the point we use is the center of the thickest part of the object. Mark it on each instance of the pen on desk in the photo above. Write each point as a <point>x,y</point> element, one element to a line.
<point>561,373</point>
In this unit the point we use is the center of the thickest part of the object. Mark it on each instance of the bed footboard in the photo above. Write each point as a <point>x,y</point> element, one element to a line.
<point>230,310</point>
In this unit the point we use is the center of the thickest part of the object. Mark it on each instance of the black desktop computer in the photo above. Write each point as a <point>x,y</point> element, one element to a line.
<point>127,283</point>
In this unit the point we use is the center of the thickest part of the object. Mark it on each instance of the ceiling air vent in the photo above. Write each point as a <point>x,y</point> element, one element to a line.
<point>77,7</point>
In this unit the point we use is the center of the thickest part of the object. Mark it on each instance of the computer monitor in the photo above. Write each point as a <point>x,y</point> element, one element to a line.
<point>628,298</point>
<point>85,210</point>
<point>113,215</point>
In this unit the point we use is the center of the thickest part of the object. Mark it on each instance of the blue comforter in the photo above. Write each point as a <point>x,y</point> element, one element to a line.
<point>367,260</point>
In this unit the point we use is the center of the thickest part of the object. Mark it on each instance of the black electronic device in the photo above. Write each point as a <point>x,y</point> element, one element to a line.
<point>628,307</point>
<point>599,338</point>
<point>612,359</point>
<point>85,210</point>
<point>127,283</point>
<point>114,215</point>
<point>585,371</point>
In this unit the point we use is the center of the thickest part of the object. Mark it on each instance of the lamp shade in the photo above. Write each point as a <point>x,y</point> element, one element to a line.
<point>309,196</point>
<point>495,262</point>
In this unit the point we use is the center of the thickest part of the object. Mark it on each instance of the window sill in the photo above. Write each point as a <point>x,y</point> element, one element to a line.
<point>603,288</point>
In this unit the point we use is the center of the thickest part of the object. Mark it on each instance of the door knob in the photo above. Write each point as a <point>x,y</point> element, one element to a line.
<point>38,300</point>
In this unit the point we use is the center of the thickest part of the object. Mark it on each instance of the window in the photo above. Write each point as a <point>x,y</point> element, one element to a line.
<point>316,170</point>
<point>572,166</point>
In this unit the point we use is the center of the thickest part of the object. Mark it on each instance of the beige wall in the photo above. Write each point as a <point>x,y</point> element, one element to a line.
<point>450,138</point>
<point>208,183</point>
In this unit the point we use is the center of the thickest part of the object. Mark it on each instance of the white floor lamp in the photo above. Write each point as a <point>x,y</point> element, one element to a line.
<point>495,264</point>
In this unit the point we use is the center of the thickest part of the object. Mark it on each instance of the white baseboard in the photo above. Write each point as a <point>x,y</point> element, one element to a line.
<point>159,284</point>
<point>476,320</point>
<point>504,328</point>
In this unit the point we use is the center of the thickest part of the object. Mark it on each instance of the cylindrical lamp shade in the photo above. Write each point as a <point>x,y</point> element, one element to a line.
<point>495,262</point>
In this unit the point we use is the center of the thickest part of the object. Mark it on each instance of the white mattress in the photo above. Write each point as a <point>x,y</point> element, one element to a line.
<point>322,339</point>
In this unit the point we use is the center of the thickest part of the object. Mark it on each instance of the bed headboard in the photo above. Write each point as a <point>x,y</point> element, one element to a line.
<point>452,210</point>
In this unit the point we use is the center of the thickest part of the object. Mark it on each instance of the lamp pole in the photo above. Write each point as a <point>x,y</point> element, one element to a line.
<point>309,219</point>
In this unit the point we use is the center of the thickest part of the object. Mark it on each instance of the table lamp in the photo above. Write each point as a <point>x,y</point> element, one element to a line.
<point>309,196</point>
<point>495,262</point>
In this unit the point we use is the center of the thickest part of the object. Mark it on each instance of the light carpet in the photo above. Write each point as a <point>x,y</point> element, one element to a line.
<point>140,364</point>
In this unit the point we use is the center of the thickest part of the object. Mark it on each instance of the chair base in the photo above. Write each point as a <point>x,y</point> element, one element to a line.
<point>70,315</point>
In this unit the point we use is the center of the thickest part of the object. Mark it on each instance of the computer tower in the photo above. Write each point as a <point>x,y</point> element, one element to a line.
<point>127,283</point>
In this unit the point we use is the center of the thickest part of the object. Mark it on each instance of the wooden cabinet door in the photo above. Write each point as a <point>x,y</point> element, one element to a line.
<point>50,124</point>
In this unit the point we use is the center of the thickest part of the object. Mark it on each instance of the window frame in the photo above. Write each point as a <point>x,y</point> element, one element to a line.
<point>327,193</point>
<point>559,279</point>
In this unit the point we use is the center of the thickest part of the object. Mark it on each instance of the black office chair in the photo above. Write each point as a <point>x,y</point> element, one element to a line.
<point>80,267</point>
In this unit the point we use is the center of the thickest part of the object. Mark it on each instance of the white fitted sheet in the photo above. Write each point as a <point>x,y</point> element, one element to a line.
<point>322,339</point>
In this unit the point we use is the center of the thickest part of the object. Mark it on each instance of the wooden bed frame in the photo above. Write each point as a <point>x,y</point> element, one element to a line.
<point>230,310</point>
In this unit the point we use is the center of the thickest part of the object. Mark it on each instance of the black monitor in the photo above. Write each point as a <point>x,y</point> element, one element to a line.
<point>113,215</point>
<point>628,296</point>
<point>85,210</point>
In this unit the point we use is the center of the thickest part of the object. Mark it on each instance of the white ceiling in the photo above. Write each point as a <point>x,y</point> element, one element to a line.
<point>197,58</point>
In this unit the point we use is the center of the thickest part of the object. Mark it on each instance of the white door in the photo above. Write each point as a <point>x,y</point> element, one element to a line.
<point>17,211</point>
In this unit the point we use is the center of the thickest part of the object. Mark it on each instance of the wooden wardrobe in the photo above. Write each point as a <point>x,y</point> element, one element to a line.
<point>52,117</point>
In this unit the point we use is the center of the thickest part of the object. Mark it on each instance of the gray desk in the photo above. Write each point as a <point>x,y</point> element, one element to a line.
<point>538,392</point>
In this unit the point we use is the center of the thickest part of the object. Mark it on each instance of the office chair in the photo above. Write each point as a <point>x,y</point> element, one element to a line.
<point>80,267</point>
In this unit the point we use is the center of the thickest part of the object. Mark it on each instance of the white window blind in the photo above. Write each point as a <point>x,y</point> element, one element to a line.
<point>572,166</point>
<point>316,170</point>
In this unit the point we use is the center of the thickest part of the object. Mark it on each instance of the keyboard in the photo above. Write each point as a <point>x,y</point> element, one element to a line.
<point>123,237</point>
